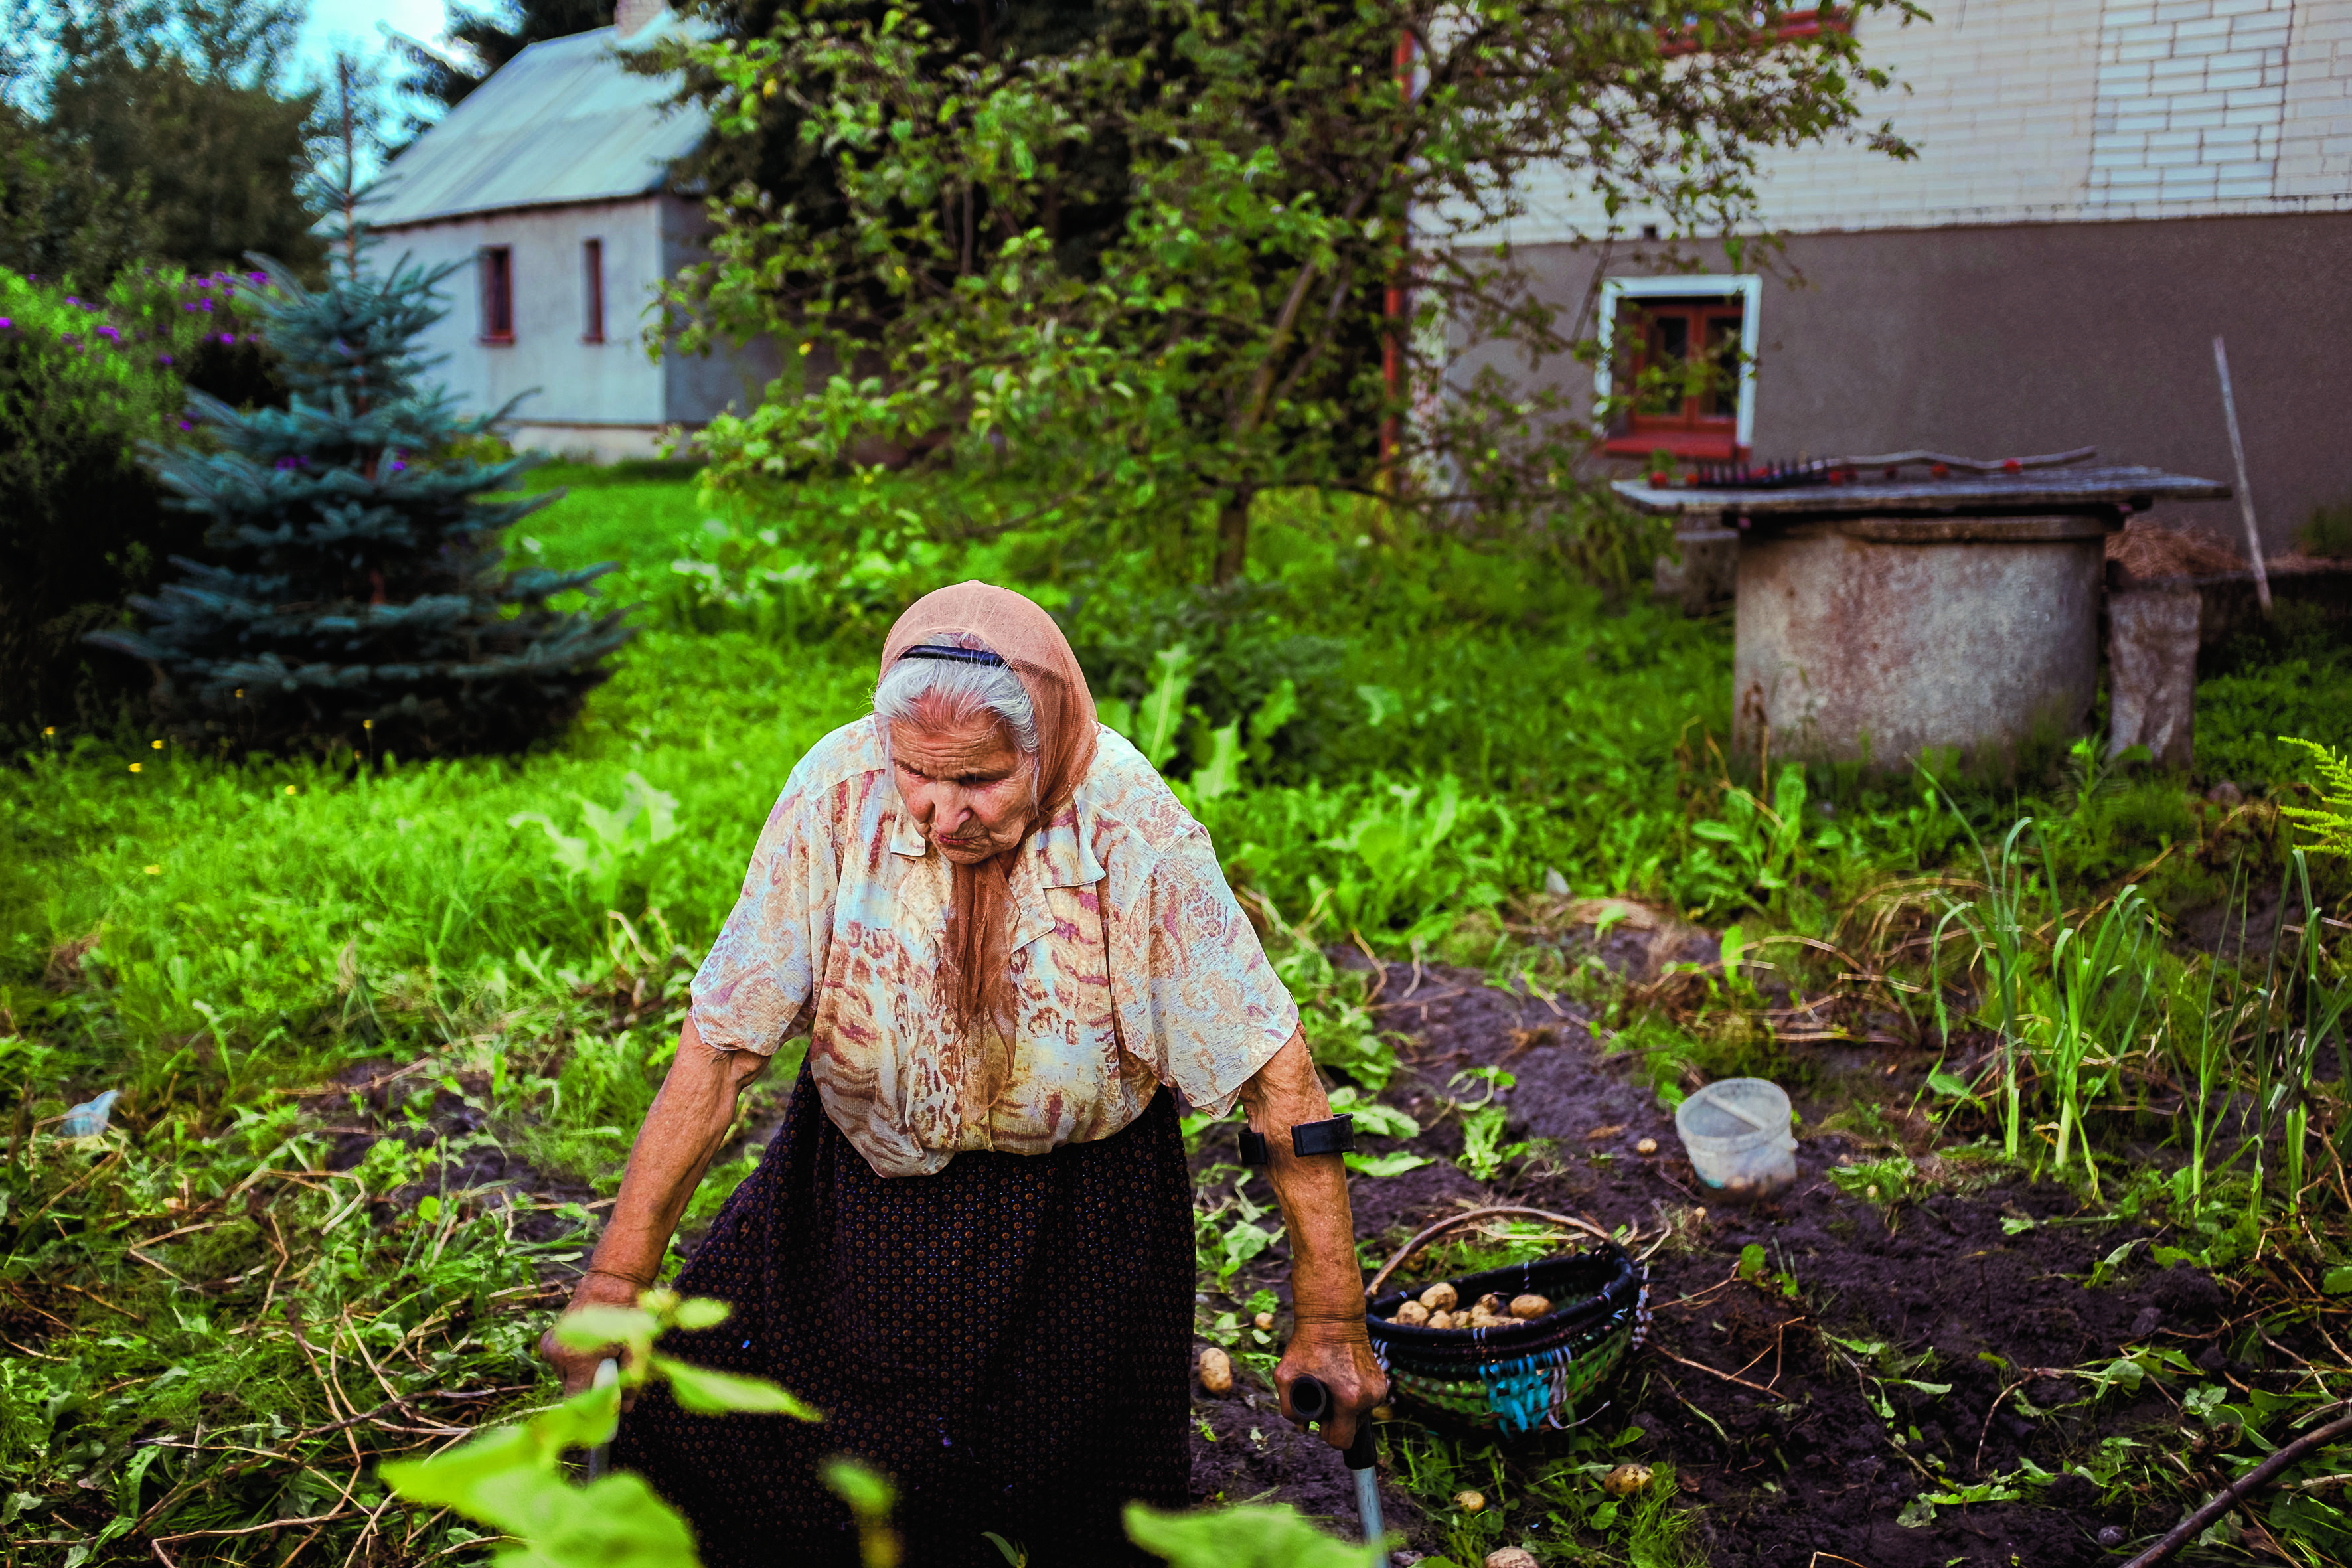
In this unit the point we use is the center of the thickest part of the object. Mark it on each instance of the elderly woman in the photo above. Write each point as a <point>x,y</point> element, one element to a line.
<point>971,1243</point>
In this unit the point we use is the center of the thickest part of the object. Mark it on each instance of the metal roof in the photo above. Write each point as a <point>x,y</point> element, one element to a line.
<point>562,123</point>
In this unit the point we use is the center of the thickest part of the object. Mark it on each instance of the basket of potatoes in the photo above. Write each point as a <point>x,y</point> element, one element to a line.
<point>1510,1348</point>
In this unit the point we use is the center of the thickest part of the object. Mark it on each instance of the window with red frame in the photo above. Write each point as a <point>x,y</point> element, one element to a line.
<point>1678,360</point>
<point>496,268</point>
<point>592,264</point>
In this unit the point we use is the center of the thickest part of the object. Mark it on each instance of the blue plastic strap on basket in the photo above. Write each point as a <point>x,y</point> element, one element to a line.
<point>1520,1391</point>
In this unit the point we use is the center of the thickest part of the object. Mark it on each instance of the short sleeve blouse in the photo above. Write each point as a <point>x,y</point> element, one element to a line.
<point>1132,964</point>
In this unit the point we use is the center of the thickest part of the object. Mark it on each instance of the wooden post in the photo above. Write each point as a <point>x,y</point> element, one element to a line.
<point>2245,486</point>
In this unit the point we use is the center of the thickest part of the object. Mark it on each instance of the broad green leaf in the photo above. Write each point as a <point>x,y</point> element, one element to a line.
<point>702,1312</point>
<point>2337,1281</point>
<point>1392,1165</point>
<point>615,1522</point>
<point>1250,1536</point>
<point>868,1493</point>
<point>1371,1116</point>
<point>703,1391</point>
<point>1221,774</point>
<point>586,1328</point>
<point>1281,705</point>
<point>1164,707</point>
<point>1943,1082</point>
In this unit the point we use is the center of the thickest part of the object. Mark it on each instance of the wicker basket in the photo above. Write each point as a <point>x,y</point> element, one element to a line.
<point>1518,1377</point>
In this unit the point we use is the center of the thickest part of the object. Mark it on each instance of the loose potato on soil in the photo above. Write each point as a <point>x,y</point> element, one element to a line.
<point>1264,1320</point>
<point>1646,1146</point>
<point>1440,1297</point>
<point>1626,1479</point>
<point>1530,1306</point>
<point>1470,1502</point>
<point>1216,1371</point>
<point>1512,1557</point>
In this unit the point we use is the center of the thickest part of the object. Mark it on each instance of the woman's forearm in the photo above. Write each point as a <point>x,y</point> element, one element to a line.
<point>684,1129</point>
<point>1327,1284</point>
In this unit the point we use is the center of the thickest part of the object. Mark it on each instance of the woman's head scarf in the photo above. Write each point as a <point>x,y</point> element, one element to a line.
<point>976,980</point>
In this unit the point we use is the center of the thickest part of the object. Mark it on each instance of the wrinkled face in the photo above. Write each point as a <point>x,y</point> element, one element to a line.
<point>967,785</point>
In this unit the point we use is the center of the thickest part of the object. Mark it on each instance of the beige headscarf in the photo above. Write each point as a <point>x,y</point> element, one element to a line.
<point>977,982</point>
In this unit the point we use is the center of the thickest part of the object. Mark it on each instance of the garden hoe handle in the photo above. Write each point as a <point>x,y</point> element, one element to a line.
<point>1312,1401</point>
<point>608,1371</point>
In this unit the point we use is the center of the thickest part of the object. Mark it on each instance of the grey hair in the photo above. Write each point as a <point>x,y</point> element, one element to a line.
<point>962,690</point>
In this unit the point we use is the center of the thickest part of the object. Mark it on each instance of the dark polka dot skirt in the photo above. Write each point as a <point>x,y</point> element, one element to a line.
<point>1007,1339</point>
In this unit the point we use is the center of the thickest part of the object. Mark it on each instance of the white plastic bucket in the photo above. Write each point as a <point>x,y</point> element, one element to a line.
<point>1736,1130</point>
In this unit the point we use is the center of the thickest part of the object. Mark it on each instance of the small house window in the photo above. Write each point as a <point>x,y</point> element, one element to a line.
<point>592,267</point>
<point>496,268</point>
<point>1679,354</point>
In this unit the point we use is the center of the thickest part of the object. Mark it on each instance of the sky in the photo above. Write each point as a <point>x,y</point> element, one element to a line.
<point>360,22</point>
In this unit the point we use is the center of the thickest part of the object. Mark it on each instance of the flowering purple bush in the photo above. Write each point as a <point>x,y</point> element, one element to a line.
<point>84,380</point>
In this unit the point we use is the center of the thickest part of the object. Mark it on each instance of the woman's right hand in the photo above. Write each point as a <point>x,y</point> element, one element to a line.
<point>578,1368</point>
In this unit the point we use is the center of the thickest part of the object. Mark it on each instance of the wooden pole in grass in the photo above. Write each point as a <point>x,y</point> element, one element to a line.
<point>2245,486</point>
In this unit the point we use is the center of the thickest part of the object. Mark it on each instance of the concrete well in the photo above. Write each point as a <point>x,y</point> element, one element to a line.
<point>1875,638</point>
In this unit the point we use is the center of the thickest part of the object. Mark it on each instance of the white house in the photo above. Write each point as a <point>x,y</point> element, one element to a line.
<point>549,183</point>
<point>2103,187</point>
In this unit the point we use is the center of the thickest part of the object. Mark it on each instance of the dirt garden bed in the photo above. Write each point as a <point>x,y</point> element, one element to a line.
<point>1947,1339</point>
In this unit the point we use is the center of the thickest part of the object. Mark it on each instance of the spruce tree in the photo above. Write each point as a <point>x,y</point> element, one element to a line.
<point>355,597</point>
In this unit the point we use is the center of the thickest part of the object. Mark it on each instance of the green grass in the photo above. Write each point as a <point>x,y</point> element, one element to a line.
<point>209,938</point>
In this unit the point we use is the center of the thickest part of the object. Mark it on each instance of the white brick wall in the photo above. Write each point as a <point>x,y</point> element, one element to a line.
<point>2315,157</point>
<point>2191,101</point>
<point>2068,110</point>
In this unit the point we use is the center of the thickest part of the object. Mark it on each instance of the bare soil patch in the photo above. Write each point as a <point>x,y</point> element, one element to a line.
<point>1781,1436</point>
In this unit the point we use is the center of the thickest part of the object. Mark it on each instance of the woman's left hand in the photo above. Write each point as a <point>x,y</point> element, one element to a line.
<point>1341,1356</point>
<point>1327,1286</point>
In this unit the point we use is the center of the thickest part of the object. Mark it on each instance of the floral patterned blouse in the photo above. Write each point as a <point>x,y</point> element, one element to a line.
<point>1133,963</point>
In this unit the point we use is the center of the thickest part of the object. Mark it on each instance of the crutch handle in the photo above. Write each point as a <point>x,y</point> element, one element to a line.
<point>1313,1401</point>
<point>608,1372</point>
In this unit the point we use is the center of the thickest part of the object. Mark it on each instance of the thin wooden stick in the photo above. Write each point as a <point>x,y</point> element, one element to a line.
<point>2245,485</point>
<point>2239,1490</point>
<point>1701,1366</point>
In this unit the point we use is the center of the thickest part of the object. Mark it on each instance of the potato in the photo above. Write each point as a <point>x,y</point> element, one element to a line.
<point>1525,1307</point>
<point>1512,1557</point>
<point>1441,1320</point>
<point>1646,1146</point>
<point>1626,1479</point>
<point>1413,1315</point>
<point>1492,1303</point>
<point>1441,1296</point>
<point>1216,1371</point>
<point>1264,1320</point>
<point>1470,1502</point>
<point>1383,1413</point>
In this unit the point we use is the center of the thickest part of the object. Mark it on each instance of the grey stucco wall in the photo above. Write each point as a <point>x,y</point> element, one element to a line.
<point>2033,338</point>
<point>699,385</point>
